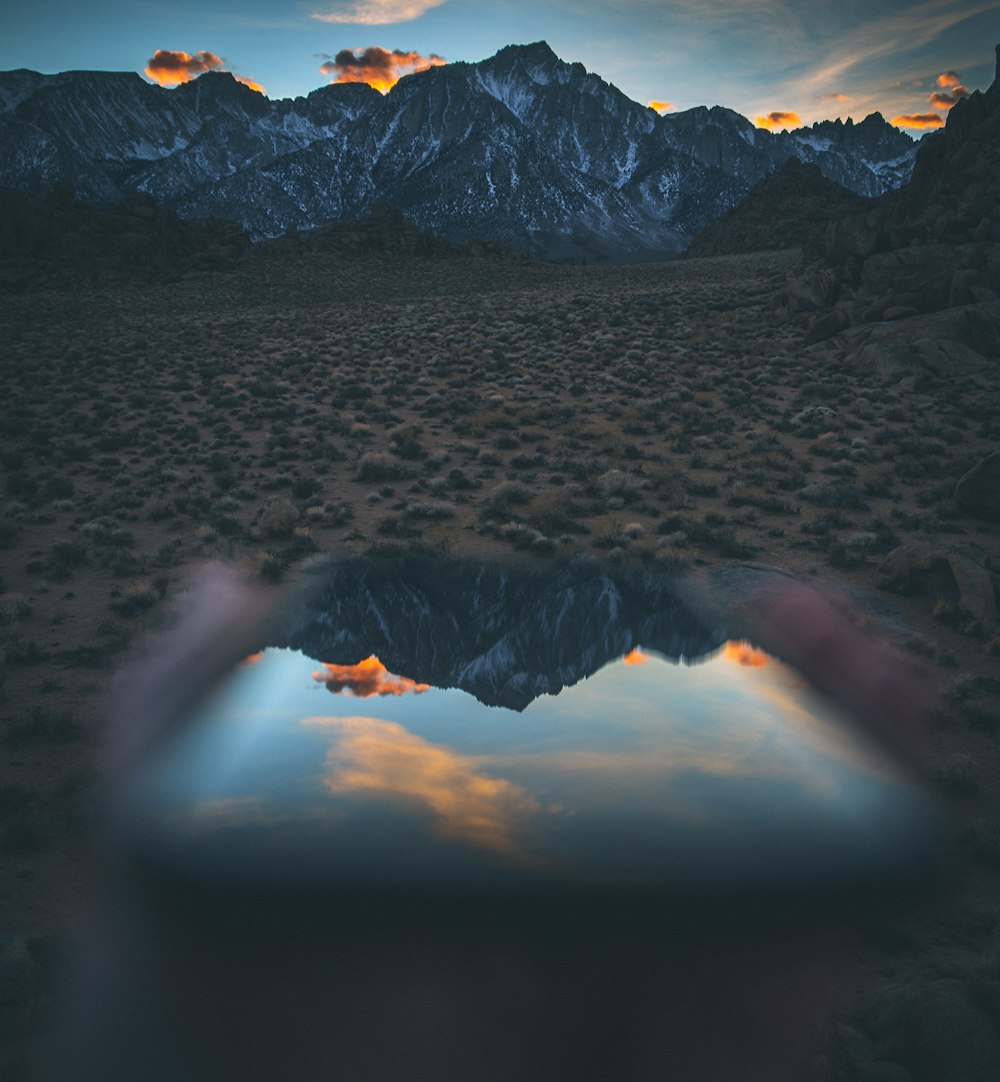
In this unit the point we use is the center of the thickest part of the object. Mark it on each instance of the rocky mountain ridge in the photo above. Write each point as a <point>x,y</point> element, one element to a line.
<point>521,148</point>
<point>912,284</point>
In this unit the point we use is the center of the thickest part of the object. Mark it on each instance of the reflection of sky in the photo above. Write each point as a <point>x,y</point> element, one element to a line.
<point>653,770</point>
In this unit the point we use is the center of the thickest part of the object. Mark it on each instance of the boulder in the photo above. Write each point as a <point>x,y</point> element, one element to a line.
<point>951,578</point>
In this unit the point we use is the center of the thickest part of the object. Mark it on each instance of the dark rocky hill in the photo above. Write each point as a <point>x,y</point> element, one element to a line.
<point>912,284</point>
<point>792,208</point>
<point>60,243</point>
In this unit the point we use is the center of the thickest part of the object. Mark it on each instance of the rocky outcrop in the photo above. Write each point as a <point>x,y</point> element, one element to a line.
<point>792,208</point>
<point>914,280</point>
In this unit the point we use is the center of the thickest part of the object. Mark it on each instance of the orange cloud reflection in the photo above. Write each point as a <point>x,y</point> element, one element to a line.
<point>379,68</point>
<point>367,678</point>
<point>918,120</point>
<point>744,654</point>
<point>377,756</point>
<point>635,657</point>
<point>659,106</point>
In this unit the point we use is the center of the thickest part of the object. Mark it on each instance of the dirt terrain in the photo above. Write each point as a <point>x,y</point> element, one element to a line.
<point>479,406</point>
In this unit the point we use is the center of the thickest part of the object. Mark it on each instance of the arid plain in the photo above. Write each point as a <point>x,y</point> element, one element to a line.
<point>483,406</point>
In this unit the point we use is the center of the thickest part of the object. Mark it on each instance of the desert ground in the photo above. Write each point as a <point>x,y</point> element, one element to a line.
<point>480,407</point>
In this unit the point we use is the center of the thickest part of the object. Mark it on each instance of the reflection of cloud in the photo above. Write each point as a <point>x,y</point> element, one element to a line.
<point>367,678</point>
<point>635,657</point>
<point>745,654</point>
<point>918,120</point>
<point>376,756</point>
<point>779,119</point>
<point>168,67</point>
<point>659,106</point>
<point>377,67</point>
<point>376,12</point>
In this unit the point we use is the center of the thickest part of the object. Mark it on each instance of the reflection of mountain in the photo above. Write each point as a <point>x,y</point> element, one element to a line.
<point>505,634</point>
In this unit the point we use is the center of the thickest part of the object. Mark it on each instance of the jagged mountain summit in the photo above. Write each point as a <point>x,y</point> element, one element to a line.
<point>522,148</point>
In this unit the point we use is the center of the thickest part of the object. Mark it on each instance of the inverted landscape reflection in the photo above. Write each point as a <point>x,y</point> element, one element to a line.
<point>649,773</point>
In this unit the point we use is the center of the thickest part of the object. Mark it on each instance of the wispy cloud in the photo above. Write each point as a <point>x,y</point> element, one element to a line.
<point>884,37</point>
<point>375,12</point>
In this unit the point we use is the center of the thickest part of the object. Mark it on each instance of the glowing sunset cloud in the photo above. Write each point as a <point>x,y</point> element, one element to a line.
<point>377,67</point>
<point>169,68</point>
<point>951,91</point>
<point>376,12</point>
<point>635,657</point>
<point>376,756</point>
<point>252,659</point>
<point>250,83</point>
<point>918,120</point>
<point>659,106</point>
<point>779,119</point>
<point>841,98</point>
<point>367,678</point>
<point>744,654</point>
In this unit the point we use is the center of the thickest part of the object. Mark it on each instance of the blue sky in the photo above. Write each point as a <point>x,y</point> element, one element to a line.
<point>817,59</point>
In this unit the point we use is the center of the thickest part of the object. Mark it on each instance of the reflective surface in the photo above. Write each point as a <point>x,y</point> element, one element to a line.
<point>647,774</point>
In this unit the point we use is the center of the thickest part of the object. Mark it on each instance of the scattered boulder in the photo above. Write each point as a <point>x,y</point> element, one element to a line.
<point>955,580</point>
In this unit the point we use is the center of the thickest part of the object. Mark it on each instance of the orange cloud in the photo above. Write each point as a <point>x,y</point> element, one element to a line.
<point>377,67</point>
<point>835,97</point>
<point>779,119</point>
<point>945,100</point>
<point>918,120</point>
<point>168,68</point>
<point>250,83</point>
<point>744,654</point>
<point>367,678</point>
<point>947,78</point>
<point>635,657</point>
<point>252,659</point>
<point>376,756</point>
<point>659,106</point>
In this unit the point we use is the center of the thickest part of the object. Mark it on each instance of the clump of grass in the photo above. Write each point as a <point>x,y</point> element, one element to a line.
<point>135,598</point>
<point>429,509</point>
<point>278,518</point>
<point>502,498</point>
<point>380,466</point>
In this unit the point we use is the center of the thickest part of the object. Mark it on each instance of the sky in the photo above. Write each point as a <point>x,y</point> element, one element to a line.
<point>779,62</point>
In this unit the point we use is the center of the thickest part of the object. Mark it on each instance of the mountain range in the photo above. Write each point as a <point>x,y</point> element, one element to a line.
<point>521,148</point>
